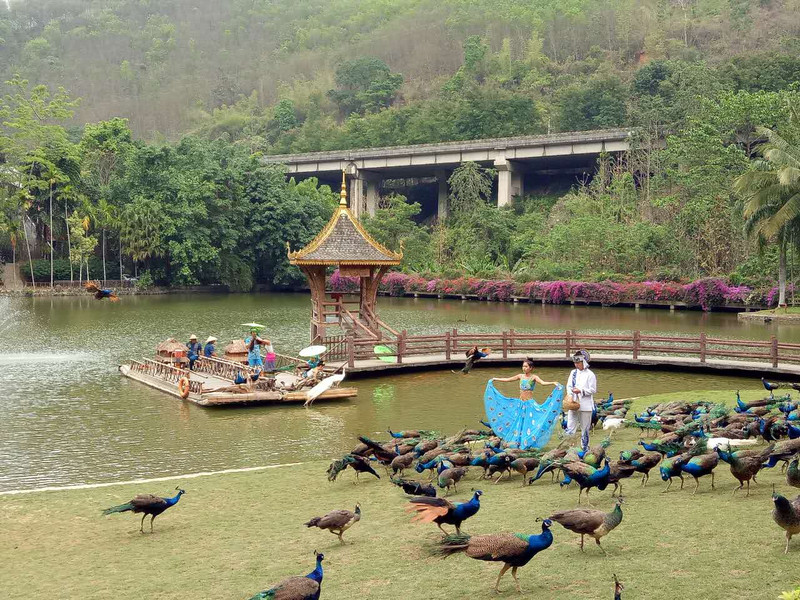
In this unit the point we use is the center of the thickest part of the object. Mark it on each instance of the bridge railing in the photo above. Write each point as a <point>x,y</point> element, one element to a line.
<point>453,345</point>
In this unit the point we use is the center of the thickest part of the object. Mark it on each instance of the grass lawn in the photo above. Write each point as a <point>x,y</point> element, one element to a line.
<point>233,535</point>
<point>789,310</point>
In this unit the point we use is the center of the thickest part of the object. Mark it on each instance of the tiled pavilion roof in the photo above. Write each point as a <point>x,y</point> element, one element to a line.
<point>344,241</point>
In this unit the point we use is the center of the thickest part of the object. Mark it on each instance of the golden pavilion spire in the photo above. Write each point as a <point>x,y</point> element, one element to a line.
<point>343,193</point>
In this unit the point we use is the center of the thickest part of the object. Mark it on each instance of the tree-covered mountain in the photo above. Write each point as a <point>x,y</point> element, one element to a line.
<point>294,76</point>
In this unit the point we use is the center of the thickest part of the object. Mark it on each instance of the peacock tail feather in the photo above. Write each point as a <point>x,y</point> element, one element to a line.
<point>452,544</point>
<point>337,467</point>
<point>118,509</point>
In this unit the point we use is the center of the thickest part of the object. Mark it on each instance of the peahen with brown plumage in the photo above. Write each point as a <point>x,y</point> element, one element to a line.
<point>514,550</point>
<point>787,515</point>
<point>524,466</point>
<point>337,521</point>
<point>642,462</point>
<point>401,462</point>
<point>745,464</point>
<point>306,587</point>
<point>619,470</point>
<point>450,477</point>
<point>594,523</point>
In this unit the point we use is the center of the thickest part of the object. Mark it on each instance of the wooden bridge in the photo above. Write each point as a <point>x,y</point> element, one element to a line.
<point>635,349</point>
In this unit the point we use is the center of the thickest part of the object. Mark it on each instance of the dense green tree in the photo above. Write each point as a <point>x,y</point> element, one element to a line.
<point>364,84</point>
<point>105,147</point>
<point>393,225</point>
<point>598,103</point>
<point>470,188</point>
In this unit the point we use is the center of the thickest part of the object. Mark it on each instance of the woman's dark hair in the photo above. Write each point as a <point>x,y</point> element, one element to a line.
<point>528,360</point>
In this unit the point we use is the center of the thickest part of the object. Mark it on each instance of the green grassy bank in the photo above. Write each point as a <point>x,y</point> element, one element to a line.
<point>233,535</point>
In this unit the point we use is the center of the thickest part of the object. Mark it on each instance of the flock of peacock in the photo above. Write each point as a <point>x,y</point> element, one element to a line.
<point>688,439</point>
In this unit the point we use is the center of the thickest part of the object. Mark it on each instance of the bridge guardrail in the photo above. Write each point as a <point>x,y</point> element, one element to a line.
<point>453,344</point>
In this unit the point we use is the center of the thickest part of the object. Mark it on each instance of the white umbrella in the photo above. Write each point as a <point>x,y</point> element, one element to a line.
<point>254,325</point>
<point>312,351</point>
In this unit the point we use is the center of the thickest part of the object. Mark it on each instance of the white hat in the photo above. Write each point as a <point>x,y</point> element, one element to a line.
<point>193,337</point>
<point>211,339</point>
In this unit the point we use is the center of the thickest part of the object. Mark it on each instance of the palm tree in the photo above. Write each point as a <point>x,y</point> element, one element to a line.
<point>771,190</point>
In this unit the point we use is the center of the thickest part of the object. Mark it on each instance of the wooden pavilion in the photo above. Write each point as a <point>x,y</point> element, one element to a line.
<point>345,244</point>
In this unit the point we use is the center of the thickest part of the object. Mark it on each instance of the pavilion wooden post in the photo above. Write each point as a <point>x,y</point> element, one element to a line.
<point>568,342</point>
<point>637,341</point>
<point>447,345</point>
<point>316,283</point>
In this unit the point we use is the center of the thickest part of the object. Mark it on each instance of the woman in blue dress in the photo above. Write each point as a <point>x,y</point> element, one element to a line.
<point>523,422</point>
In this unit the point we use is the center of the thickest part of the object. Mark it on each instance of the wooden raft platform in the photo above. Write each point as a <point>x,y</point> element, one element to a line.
<point>211,384</point>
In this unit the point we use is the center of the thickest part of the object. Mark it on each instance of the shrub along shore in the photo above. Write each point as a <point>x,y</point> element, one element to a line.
<point>708,294</point>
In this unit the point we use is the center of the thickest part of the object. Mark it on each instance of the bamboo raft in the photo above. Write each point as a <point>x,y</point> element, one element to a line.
<point>210,383</point>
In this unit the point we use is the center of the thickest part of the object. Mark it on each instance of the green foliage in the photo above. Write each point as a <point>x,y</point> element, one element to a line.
<point>470,187</point>
<point>144,281</point>
<point>364,84</point>
<point>596,104</point>
<point>61,269</point>
<point>235,273</point>
<point>393,226</point>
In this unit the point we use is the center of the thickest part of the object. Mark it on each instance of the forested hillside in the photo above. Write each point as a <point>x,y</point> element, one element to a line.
<point>149,155</point>
<point>454,69</point>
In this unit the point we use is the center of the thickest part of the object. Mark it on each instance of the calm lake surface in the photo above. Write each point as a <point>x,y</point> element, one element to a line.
<point>68,417</point>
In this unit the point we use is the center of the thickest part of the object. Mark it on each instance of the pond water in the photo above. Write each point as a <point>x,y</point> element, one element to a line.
<point>68,417</point>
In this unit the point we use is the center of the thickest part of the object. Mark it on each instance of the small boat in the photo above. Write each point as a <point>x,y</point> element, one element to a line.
<point>210,383</point>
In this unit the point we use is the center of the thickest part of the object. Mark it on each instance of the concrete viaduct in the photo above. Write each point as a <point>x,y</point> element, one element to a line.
<point>514,158</point>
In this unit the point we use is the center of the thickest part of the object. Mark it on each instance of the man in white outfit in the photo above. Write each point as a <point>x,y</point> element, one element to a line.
<point>582,384</point>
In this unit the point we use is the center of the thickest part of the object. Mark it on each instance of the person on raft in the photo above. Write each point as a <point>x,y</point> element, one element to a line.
<point>473,356</point>
<point>527,380</point>
<point>195,350</point>
<point>304,368</point>
<point>581,385</point>
<point>254,344</point>
<point>247,380</point>
<point>210,349</point>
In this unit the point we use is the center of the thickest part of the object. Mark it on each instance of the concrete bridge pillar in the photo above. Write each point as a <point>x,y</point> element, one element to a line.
<point>509,181</point>
<point>372,191</point>
<point>443,205</point>
<point>363,191</point>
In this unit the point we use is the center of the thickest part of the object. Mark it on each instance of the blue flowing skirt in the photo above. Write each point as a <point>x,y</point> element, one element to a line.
<point>522,424</point>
